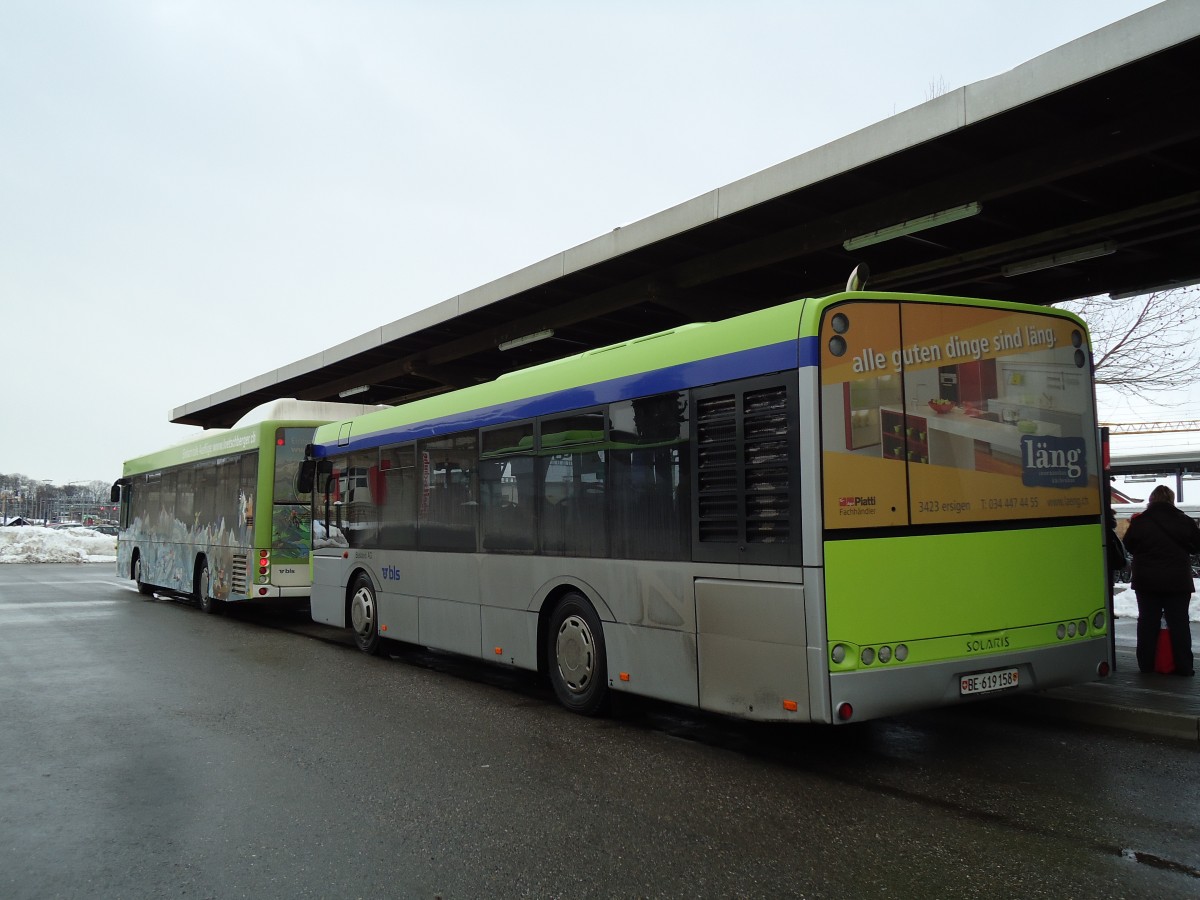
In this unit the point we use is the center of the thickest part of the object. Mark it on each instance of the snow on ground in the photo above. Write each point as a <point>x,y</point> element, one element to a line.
<point>35,544</point>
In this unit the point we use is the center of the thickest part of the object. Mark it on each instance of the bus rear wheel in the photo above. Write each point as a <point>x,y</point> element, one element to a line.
<point>202,590</point>
<point>577,661</point>
<point>143,588</point>
<point>364,615</point>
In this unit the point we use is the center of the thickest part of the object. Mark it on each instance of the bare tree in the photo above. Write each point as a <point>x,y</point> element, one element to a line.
<point>1143,345</point>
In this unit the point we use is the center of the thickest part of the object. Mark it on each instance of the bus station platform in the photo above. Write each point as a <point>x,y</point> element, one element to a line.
<point>1152,704</point>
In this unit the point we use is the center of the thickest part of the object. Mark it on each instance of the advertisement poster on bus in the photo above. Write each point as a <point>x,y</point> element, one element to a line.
<point>935,413</point>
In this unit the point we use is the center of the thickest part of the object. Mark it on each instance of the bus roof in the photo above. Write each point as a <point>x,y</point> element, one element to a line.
<point>770,335</point>
<point>213,444</point>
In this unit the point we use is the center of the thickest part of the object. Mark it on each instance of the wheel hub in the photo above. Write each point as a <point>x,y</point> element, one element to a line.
<point>362,612</point>
<point>574,654</point>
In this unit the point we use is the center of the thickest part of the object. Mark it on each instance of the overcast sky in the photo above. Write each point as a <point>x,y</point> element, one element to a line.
<point>195,193</point>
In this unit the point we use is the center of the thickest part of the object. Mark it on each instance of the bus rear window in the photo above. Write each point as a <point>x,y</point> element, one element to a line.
<point>289,454</point>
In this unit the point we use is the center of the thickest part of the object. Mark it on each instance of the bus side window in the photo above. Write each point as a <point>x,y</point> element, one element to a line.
<point>398,501</point>
<point>649,482</point>
<point>574,519</point>
<point>650,506</point>
<point>448,504</point>
<point>361,494</point>
<point>206,493</point>
<point>507,500</point>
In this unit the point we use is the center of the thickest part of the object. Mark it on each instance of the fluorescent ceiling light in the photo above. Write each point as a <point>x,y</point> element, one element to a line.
<point>350,392</point>
<point>1165,286</point>
<point>526,339</point>
<point>1107,248</point>
<point>912,226</point>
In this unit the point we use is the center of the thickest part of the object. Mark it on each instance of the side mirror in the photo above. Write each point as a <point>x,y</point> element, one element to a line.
<point>114,496</point>
<point>325,472</point>
<point>305,476</point>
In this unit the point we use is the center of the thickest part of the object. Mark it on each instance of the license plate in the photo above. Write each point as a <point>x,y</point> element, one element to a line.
<point>986,682</point>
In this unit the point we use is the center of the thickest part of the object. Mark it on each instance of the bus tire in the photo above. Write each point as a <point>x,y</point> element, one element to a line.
<point>144,589</point>
<point>363,615</point>
<point>202,589</point>
<point>576,656</point>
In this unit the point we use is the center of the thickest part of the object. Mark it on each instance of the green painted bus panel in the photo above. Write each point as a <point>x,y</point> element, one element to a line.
<point>213,445</point>
<point>964,648</point>
<point>890,590</point>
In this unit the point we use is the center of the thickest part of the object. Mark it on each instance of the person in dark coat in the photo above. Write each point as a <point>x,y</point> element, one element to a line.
<point>1118,559</point>
<point>1161,539</point>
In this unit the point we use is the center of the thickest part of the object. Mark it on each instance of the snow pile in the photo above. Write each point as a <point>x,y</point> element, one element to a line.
<point>1125,602</point>
<point>35,544</point>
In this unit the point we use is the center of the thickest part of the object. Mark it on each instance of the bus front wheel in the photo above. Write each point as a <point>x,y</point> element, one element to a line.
<point>364,615</point>
<point>575,650</point>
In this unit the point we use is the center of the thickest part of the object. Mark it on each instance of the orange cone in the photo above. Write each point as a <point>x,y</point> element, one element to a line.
<point>1164,659</point>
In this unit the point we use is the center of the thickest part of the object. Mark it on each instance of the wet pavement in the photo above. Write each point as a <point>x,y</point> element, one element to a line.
<point>1158,705</point>
<point>1161,705</point>
<point>148,750</point>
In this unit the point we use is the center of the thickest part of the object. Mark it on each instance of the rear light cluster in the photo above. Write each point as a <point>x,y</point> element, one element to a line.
<point>870,655</point>
<point>264,567</point>
<point>1080,628</point>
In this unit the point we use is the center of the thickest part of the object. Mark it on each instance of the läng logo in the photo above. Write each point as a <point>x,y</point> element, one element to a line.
<point>1048,461</point>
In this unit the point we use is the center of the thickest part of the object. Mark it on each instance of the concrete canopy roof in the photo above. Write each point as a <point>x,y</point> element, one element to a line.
<point>1090,150</point>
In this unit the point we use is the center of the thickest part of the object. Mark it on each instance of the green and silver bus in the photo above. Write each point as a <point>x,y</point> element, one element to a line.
<point>827,511</point>
<point>218,517</point>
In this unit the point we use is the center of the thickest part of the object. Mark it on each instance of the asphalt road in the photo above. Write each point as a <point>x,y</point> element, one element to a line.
<point>148,750</point>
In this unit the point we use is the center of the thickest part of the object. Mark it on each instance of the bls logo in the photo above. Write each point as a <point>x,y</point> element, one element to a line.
<point>390,573</point>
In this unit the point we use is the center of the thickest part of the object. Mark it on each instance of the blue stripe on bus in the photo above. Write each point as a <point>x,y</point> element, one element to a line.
<point>729,367</point>
<point>810,352</point>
